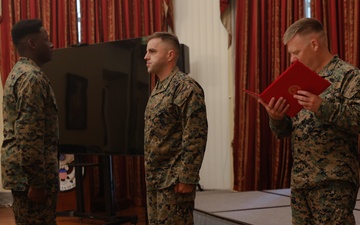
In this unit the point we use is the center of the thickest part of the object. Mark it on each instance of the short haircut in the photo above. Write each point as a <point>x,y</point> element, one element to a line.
<point>304,27</point>
<point>168,38</point>
<point>25,27</point>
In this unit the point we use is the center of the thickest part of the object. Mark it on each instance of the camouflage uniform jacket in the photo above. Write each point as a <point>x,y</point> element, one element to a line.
<point>175,132</point>
<point>325,144</point>
<point>29,154</point>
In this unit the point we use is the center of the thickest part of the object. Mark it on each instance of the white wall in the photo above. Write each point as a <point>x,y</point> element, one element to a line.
<point>198,25</point>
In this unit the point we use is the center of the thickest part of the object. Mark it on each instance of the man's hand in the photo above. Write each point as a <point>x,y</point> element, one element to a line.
<point>37,195</point>
<point>308,100</point>
<point>184,188</point>
<point>276,110</point>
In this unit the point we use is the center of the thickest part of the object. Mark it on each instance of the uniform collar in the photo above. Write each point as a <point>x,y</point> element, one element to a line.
<point>162,85</point>
<point>327,70</point>
<point>28,61</point>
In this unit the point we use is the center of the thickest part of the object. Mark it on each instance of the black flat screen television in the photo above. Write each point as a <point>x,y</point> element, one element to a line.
<point>101,92</point>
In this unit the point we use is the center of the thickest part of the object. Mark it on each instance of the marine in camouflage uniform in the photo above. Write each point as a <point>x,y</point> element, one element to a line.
<point>325,144</point>
<point>29,154</point>
<point>325,171</point>
<point>175,140</point>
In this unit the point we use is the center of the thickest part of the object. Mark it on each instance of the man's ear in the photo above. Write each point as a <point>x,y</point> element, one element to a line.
<point>31,43</point>
<point>171,55</point>
<point>314,44</point>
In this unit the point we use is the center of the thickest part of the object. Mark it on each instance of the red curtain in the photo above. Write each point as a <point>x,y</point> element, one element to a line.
<point>59,18</point>
<point>260,160</point>
<point>109,20</point>
<point>341,22</point>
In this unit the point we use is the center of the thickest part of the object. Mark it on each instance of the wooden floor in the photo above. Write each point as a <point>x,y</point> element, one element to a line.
<point>7,217</point>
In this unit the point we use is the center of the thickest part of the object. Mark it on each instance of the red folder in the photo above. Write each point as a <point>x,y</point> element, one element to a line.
<point>296,77</point>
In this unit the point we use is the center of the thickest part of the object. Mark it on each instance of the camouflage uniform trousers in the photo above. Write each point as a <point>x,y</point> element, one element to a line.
<point>332,203</point>
<point>27,212</point>
<point>165,207</point>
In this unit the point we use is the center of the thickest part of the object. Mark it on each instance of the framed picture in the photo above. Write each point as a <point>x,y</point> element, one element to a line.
<point>76,102</point>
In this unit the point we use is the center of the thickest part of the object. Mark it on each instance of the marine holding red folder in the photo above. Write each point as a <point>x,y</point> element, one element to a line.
<point>296,77</point>
<point>324,134</point>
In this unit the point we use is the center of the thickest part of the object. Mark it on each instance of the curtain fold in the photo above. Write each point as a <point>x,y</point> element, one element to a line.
<point>226,20</point>
<point>109,20</point>
<point>260,160</point>
<point>59,18</point>
<point>341,22</point>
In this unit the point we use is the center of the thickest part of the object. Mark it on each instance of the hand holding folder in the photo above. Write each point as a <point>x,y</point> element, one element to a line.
<point>296,77</point>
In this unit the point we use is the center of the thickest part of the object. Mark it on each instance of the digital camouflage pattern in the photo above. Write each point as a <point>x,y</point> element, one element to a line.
<point>330,204</point>
<point>165,207</point>
<point>27,212</point>
<point>29,154</point>
<point>325,144</point>
<point>175,132</point>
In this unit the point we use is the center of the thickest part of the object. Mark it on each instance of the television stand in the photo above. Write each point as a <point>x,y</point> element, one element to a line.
<point>110,217</point>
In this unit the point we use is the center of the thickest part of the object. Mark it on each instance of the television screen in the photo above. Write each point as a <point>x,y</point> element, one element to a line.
<point>101,92</point>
